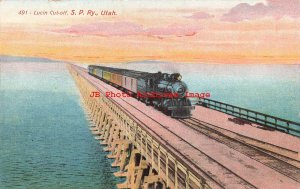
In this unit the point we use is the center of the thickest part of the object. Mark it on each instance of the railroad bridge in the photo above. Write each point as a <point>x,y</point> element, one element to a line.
<point>210,150</point>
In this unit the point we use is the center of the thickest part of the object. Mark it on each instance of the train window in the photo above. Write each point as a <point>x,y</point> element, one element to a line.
<point>165,76</point>
<point>131,83</point>
<point>161,88</point>
<point>150,83</point>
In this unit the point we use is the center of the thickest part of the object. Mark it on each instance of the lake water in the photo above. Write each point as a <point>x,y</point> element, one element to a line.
<point>45,141</point>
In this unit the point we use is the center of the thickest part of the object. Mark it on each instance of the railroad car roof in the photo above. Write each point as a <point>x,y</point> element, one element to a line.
<point>125,72</point>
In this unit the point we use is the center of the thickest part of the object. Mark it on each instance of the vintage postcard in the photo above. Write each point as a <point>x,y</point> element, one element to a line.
<point>128,94</point>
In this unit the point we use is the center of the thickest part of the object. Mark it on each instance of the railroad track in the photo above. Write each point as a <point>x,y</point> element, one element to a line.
<point>284,165</point>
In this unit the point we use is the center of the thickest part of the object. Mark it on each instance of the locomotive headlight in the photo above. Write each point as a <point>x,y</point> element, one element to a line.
<point>175,77</point>
<point>179,77</point>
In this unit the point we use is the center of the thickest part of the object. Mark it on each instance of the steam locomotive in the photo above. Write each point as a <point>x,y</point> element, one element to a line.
<point>166,92</point>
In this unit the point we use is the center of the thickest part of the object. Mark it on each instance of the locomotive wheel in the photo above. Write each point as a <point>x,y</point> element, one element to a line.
<point>159,105</point>
<point>147,101</point>
<point>168,112</point>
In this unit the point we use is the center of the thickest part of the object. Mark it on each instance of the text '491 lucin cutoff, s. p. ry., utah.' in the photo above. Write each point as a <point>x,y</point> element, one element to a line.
<point>72,12</point>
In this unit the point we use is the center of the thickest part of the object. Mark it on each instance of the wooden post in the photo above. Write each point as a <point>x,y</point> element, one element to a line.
<point>167,169</point>
<point>176,175</point>
<point>152,154</point>
<point>187,180</point>
<point>159,171</point>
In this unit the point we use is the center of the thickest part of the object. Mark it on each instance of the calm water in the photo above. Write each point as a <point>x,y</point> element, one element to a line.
<point>270,89</point>
<point>44,137</point>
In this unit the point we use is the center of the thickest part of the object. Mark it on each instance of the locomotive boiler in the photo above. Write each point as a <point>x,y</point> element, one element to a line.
<point>166,92</point>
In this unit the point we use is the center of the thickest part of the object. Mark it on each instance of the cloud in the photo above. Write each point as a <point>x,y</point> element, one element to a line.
<point>104,29</point>
<point>200,15</point>
<point>129,28</point>
<point>274,8</point>
<point>174,29</point>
